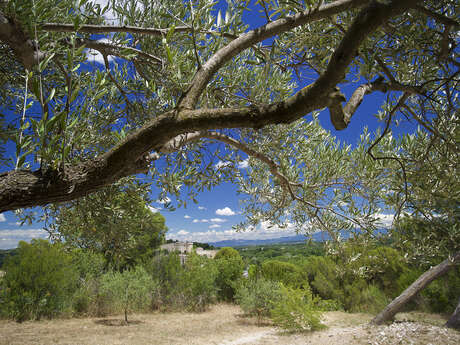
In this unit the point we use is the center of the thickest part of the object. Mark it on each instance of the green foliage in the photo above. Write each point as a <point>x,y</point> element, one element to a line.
<point>39,281</point>
<point>257,296</point>
<point>89,300</point>
<point>291,252</point>
<point>167,269</point>
<point>284,272</point>
<point>199,282</point>
<point>115,222</point>
<point>130,290</point>
<point>296,311</point>
<point>323,275</point>
<point>381,266</point>
<point>5,253</point>
<point>230,268</point>
<point>360,297</point>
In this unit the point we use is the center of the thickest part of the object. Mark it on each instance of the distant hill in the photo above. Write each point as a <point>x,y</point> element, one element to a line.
<point>319,236</point>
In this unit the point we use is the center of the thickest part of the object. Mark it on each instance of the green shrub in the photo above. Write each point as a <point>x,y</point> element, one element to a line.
<point>296,311</point>
<point>198,282</point>
<point>284,272</point>
<point>168,271</point>
<point>230,269</point>
<point>364,298</point>
<point>130,290</point>
<point>382,267</point>
<point>256,297</point>
<point>323,275</point>
<point>39,281</point>
<point>328,304</point>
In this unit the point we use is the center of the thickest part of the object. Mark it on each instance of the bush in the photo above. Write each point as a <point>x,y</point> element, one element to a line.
<point>256,297</point>
<point>198,282</point>
<point>130,290</point>
<point>284,272</point>
<point>295,311</point>
<point>39,281</point>
<point>364,298</point>
<point>230,267</point>
<point>88,299</point>
<point>323,276</point>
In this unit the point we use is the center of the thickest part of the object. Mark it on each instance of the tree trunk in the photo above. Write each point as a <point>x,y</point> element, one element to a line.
<point>426,278</point>
<point>454,320</point>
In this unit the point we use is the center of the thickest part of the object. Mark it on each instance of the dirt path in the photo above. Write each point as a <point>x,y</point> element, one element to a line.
<point>224,325</point>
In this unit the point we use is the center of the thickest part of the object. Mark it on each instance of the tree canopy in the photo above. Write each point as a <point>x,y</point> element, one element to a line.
<point>174,79</point>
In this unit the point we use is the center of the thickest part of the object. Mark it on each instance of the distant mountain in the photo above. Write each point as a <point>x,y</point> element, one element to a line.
<point>319,236</point>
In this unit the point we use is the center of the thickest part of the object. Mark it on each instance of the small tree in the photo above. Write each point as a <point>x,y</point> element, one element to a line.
<point>295,311</point>
<point>230,266</point>
<point>128,289</point>
<point>39,281</point>
<point>257,297</point>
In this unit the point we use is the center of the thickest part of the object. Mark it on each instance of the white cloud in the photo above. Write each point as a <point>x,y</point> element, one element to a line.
<point>221,164</point>
<point>215,234</point>
<point>214,226</point>
<point>2,217</point>
<point>201,221</point>
<point>385,220</point>
<point>9,238</point>
<point>243,164</point>
<point>95,56</point>
<point>202,208</point>
<point>153,209</point>
<point>218,220</point>
<point>187,216</point>
<point>182,232</point>
<point>226,211</point>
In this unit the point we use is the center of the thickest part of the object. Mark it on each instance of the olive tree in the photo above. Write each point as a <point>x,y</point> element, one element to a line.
<point>174,78</point>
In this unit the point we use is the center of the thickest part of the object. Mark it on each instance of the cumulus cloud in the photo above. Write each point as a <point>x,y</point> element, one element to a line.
<point>218,220</point>
<point>187,216</point>
<point>385,220</point>
<point>201,221</point>
<point>9,238</point>
<point>153,209</point>
<point>182,232</point>
<point>2,217</point>
<point>215,234</point>
<point>202,208</point>
<point>243,164</point>
<point>221,164</point>
<point>226,211</point>
<point>214,226</point>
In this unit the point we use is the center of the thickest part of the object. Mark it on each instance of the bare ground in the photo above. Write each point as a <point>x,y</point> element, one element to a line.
<point>224,325</point>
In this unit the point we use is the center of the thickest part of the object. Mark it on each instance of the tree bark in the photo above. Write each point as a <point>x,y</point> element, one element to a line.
<point>426,278</point>
<point>454,320</point>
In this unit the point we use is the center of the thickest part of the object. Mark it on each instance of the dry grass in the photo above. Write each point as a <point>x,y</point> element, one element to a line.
<point>224,325</point>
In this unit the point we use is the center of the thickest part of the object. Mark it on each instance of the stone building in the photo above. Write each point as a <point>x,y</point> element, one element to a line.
<point>184,248</point>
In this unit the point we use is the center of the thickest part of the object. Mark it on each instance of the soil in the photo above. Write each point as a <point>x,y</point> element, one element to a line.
<point>225,325</point>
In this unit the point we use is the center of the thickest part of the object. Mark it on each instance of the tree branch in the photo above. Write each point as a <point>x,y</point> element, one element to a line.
<point>100,29</point>
<point>223,55</point>
<point>438,17</point>
<point>23,47</point>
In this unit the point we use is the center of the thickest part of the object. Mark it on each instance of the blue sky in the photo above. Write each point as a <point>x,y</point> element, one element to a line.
<point>218,210</point>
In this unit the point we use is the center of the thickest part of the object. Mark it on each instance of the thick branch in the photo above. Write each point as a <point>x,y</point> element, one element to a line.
<point>225,54</point>
<point>438,17</point>
<point>426,278</point>
<point>23,47</point>
<point>341,116</point>
<point>100,29</point>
